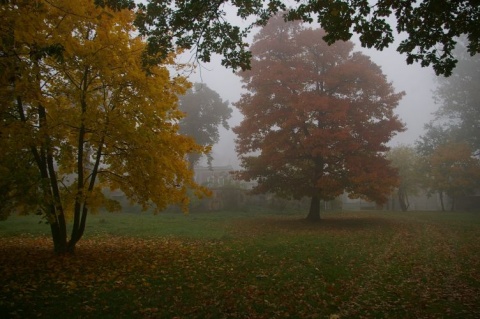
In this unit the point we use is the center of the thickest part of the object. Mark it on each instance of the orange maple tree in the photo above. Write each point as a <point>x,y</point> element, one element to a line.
<point>316,118</point>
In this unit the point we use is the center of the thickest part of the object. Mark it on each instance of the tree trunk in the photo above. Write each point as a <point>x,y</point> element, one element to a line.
<point>441,201</point>
<point>314,212</point>
<point>403,199</point>
<point>59,241</point>
<point>77,232</point>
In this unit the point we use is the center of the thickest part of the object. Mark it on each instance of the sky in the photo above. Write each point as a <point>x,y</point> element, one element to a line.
<point>415,109</point>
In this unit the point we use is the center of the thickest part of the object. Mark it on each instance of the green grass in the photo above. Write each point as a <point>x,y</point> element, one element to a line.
<point>247,265</point>
<point>200,225</point>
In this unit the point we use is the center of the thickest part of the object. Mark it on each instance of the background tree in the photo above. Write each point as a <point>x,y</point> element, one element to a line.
<point>317,118</point>
<point>457,121</point>
<point>407,162</point>
<point>431,28</point>
<point>459,97</point>
<point>434,136</point>
<point>453,171</point>
<point>204,112</point>
<point>82,109</point>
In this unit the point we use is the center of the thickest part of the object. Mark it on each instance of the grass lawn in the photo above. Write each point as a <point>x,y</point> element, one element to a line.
<point>246,265</point>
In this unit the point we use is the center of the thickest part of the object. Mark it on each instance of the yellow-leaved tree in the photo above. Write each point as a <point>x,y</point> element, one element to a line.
<point>80,114</point>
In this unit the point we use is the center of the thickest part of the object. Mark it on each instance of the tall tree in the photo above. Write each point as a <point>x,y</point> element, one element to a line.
<point>429,28</point>
<point>204,112</point>
<point>317,118</point>
<point>457,121</point>
<point>407,162</point>
<point>82,109</point>
<point>435,138</point>
<point>459,99</point>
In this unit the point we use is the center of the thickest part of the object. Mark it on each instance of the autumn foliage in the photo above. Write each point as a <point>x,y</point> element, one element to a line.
<point>452,170</point>
<point>80,112</point>
<point>317,118</point>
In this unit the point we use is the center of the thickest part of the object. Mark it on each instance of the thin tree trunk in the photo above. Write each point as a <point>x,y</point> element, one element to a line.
<point>403,200</point>
<point>80,208</point>
<point>44,161</point>
<point>80,228</point>
<point>59,224</point>
<point>55,212</point>
<point>81,201</point>
<point>441,201</point>
<point>80,196</point>
<point>314,212</point>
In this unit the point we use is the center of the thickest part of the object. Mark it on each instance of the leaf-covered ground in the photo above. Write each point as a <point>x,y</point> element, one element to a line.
<point>363,265</point>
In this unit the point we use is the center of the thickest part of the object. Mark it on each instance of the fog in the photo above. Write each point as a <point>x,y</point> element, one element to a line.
<point>415,109</point>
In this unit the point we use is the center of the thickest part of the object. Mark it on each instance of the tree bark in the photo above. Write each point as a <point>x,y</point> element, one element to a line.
<point>314,212</point>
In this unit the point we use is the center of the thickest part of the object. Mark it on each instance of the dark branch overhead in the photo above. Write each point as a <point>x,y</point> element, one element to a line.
<point>431,26</point>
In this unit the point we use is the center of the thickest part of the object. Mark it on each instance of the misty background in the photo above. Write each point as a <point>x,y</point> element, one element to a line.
<point>415,109</point>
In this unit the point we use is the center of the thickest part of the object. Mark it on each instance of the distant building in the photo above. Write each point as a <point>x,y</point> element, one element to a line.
<point>219,176</point>
<point>214,176</point>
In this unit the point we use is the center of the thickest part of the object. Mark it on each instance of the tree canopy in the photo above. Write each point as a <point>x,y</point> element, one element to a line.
<point>317,118</point>
<point>204,112</point>
<point>76,103</point>
<point>432,27</point>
